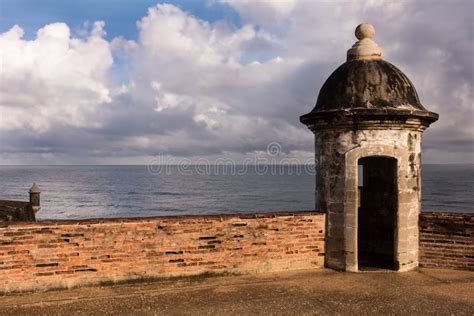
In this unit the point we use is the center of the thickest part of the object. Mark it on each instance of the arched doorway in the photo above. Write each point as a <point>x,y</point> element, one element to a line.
<point>377,212</point>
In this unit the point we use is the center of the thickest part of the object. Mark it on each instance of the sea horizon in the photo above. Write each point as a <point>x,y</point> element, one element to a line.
<point>111,191</point>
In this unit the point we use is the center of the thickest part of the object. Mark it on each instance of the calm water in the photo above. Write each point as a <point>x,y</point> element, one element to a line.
<point>120,191</point>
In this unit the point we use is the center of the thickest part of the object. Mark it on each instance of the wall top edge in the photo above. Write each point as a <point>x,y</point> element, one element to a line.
<point>242,216</point>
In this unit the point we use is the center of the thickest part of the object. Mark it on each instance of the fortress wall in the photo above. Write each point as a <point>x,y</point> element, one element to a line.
<point>63,254</point>
<point>447,240</point>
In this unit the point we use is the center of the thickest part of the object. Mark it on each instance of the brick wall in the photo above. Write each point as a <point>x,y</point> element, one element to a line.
<point>447,240</point>
<point>57,254</point>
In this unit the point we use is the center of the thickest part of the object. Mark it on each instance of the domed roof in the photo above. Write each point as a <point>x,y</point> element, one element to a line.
<point>366,84</point>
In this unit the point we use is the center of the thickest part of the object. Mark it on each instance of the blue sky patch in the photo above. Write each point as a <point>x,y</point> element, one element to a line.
<point>120,16</point>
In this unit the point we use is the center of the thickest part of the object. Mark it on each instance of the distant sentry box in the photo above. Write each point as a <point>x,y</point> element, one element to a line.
<point>20,211</point>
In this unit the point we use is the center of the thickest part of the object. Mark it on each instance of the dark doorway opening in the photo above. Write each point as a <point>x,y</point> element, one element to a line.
<point>377,212</point>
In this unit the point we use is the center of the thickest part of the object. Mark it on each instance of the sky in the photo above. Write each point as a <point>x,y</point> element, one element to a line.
<point>124,82</point>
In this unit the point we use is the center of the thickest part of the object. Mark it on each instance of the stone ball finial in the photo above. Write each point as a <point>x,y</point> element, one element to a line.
<point>364,30</point>
<point>365,48</point>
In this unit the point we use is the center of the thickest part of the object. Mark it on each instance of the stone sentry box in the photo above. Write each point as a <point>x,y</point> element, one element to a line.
<point>368,123</point>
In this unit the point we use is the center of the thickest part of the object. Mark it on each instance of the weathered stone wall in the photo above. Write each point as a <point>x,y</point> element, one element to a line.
<point>337,155</point>
<point>447,240</point>
<point>44,255</point>
<point>16,211</point>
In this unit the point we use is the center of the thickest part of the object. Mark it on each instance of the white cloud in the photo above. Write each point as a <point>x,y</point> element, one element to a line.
<point>53,79</point>
<point>263,12</point>
<point>188,65</point>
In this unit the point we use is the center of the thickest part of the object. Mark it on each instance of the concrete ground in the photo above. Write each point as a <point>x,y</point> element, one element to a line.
<point>324,292</point>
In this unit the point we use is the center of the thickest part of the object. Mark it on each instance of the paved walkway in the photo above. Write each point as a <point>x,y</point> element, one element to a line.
<point>324,292</point>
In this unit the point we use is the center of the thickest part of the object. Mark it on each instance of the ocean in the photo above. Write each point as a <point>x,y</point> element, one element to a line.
<point>76,192</point>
